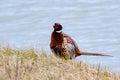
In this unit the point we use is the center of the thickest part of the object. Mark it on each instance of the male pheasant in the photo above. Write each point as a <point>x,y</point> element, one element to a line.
<point>64,46</point>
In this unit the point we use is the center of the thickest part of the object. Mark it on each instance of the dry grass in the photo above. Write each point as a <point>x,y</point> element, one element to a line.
<point>31,65</point>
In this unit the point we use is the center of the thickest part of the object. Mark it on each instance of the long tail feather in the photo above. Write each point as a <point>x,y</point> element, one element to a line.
<point>94,54</point>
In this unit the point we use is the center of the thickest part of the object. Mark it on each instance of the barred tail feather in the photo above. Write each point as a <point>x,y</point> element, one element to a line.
<point>94,54</point>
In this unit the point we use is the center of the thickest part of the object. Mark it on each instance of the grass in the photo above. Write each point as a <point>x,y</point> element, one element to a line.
<point>30,64</point>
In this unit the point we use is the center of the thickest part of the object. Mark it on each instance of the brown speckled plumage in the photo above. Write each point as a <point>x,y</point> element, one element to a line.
<point>65,44</point>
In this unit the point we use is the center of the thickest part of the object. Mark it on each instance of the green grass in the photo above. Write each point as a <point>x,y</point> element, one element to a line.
<point>29,64</point>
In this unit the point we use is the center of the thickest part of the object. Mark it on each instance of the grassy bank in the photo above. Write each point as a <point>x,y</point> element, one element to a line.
<point>29,64</point>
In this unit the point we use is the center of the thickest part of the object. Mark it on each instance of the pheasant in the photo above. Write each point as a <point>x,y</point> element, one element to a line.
<point>64,46</point>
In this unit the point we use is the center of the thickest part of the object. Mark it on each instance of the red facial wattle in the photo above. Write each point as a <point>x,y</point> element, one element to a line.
<point>56,26</point>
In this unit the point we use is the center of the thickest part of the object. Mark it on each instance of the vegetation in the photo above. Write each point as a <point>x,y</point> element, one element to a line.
<point>30,64</point>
